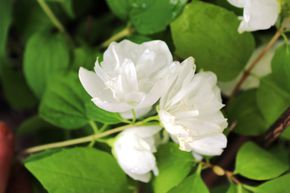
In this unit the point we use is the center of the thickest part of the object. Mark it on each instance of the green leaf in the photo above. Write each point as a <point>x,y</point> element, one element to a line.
<point>173,164</point>
<point>63,103</point>
<point>85,57</point>
<point>286,133</point>
<point>83,170</point>
<point>46,55</point>
<point>151,16</point>
<point>96,114</point>
<point>5,21</point>
<point>67,5</point>
<point>255,163</point>
<point>147,16</point>
<point>32,125</point>
<point>191,184</point>
<point>209,34</point>
<point>12,81</point>
<point>244,110</point>
<point>278,185</point>
<point>29,18</point>
<point>281,67</point>
<point>236,189</point>
<point>66,104</point>
<point>272,99</point>
<point>119,7</point>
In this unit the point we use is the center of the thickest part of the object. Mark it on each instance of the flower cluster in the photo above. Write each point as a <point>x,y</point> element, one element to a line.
<point>132,78</point>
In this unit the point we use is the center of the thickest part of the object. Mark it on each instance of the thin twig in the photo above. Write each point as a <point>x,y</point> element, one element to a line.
<point>255,62</point>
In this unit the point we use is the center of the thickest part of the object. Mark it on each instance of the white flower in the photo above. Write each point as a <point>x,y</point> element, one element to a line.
<point>131,76</point>
<point>190,111</point>
<point>258,14</point>
<point>134,150</point>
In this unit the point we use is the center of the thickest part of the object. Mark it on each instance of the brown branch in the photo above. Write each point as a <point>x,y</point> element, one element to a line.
<point>255,62</point>
<point>277,128</point>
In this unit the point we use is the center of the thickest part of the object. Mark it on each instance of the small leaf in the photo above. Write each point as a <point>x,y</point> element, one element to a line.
<point>12,81</point>
<point>63,103</point>
<point>236,189</point>
<point>96,114</point>
<point>244,110</point>
<point>147,16</point>
<point>272,99</point>
<point>119,7</point>
<point>191,184</point>
<point>84,170</point>
<point>286,133</point>
<point>5,20</point>
<point>278,185</point>
<point>46,55</point>
<point>281,67</point>
<point>173,164</point>
<point>255,163</point>
<point>32,125</point>
<point>85,57</point>
<point>153,16</point>
<point>29,18</point>
<point>209,34</point>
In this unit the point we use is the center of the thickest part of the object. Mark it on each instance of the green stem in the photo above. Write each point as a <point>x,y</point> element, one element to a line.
<point>103,127</point>
<point>51,16</point>
<point>96,131</point>
<point>82,139</point>
<point>123,33</point>
<point>134,116</point>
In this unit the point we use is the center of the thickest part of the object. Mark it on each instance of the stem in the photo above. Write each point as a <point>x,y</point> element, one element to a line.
<point>121,34</point>
<point>51,16</point>
<point>94,127</point>
<point>255,62</point>
<point>134,116</point>
<point>96,131</point>
<point>81,140</point>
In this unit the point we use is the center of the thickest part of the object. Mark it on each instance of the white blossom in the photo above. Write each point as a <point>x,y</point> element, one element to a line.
<point>190,111</point>
<point>257,14</point>
<point>134,150</point>
<point>131,76</point>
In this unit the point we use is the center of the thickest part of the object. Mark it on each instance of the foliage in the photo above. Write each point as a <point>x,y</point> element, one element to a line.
<point>44,43</point>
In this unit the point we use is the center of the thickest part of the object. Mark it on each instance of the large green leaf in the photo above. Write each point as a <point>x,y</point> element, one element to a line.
<point>173,164</point>
<point>63,103</point>
<point>191,184</point>
<point>209,34</point>
<point>66,104</point>
<point>272,99</point>
<point>46,55</point>
<point>278,185</point>
<point>281,67</point>
<point>244,110</point>
<point>84,170</point>
<point>255,163</point>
